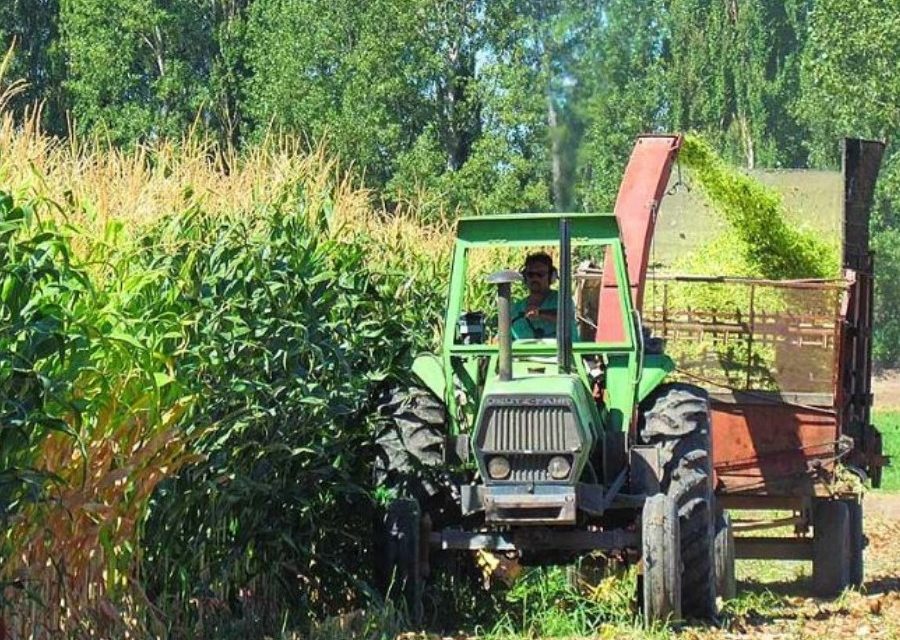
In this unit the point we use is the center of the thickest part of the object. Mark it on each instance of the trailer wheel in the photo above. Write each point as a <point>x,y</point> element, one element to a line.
<point>675,417</point>
<point>831,547</point>
<point>660,544</point>
<point>857,542</point>
<point>726,583</point>
<point>399,570</point>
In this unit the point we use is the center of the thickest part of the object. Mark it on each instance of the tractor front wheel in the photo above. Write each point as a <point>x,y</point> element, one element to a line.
<point>661,557</point>
<point>409,470</point>
<point>399,567</point>
<point>410,445</point>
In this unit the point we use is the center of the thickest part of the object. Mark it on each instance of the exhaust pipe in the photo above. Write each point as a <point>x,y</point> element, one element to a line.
<point>564,313</point>
<point>503,280</point>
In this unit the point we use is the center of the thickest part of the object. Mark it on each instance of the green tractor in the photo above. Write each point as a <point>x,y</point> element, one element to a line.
<point>546,450</point>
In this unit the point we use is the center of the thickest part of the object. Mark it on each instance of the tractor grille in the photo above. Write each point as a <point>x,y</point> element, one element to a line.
<point>528,431</point>
<point>529,428</point>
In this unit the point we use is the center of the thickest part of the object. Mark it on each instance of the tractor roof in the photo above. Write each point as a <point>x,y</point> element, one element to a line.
<point>523,229</point>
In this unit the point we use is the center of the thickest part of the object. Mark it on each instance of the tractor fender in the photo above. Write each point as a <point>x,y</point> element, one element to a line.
<point>656,368</point>
<point>428,368</point>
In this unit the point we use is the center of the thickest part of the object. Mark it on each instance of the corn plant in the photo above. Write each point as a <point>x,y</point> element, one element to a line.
<point>88,430</point>
<point>290,327</point>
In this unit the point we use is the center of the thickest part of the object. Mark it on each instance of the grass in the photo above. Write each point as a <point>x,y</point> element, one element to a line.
<point>888,422</point>
<point>541,603</point>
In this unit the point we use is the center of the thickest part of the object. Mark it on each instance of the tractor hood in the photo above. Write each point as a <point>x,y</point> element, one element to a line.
<point>537,428</point>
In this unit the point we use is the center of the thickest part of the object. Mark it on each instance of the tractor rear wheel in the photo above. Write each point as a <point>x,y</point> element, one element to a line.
<point>675,418</point>
<point>410,446</point>
<point>660,543</point>
<point>409,453</point>
<point>409,460</point>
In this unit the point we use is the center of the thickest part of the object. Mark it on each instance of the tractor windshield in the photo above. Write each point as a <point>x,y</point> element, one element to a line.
<point>535,295</point>
<point>539,289</point>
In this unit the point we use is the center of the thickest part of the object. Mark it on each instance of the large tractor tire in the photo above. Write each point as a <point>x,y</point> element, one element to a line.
<point>831,547</point>
<point>410,445</point>
<point>660,543</point>
<point>409,464</point>
<point>676,419</point>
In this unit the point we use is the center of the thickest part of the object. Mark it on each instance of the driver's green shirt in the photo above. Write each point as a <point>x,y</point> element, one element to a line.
<point>527,328</point>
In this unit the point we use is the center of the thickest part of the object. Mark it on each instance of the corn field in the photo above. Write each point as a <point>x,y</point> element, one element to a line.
<point>191,343</point>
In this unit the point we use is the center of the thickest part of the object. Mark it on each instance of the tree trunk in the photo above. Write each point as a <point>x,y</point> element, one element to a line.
<point>747,140</point>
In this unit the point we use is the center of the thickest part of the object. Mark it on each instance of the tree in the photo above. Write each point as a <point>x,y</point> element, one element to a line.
<point>34,27</point>
<point>356,73</point>
<point>851,87</point>
<point>540,52</point>
<point>734,75</point>
<point>849,78</point>
<point>523,114</point>
<point>146,69</point>
<point>623,93</point>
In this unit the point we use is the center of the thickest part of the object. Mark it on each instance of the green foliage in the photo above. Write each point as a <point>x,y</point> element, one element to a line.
<point>495,179</point>
<point>750,604</point>
<point>472,106</point>
<point>282,327</point>
<point>66,345</point>
<point>525,127</point>
<point>34,25</point>
<point>849,80</point>
<point>734,74</point>
<point>621,94</point>
<point>353,72</point>
<point>888,422</point>
<point>37,288</point>
<point>140,70</point>
<point>86,404</point>
<point>543,603</point>
<point>288,334</point>
<point>886,343</point>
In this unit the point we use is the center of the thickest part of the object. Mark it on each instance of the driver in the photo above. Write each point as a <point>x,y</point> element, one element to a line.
<point>535,315</point>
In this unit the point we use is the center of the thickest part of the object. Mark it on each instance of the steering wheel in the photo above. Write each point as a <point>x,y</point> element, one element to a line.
<point>537,333</point>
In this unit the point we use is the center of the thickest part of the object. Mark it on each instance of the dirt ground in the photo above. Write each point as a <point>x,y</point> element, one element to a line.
<point>873,612</point>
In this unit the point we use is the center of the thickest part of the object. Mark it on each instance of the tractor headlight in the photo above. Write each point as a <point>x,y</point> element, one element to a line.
<point>498,468</point>
<point>559,467</point>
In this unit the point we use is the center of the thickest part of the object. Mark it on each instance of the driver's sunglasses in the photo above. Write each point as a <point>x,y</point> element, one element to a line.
<point>536,274</point>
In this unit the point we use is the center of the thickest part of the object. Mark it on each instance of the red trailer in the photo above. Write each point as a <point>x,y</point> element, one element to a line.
<point>788,367</point>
